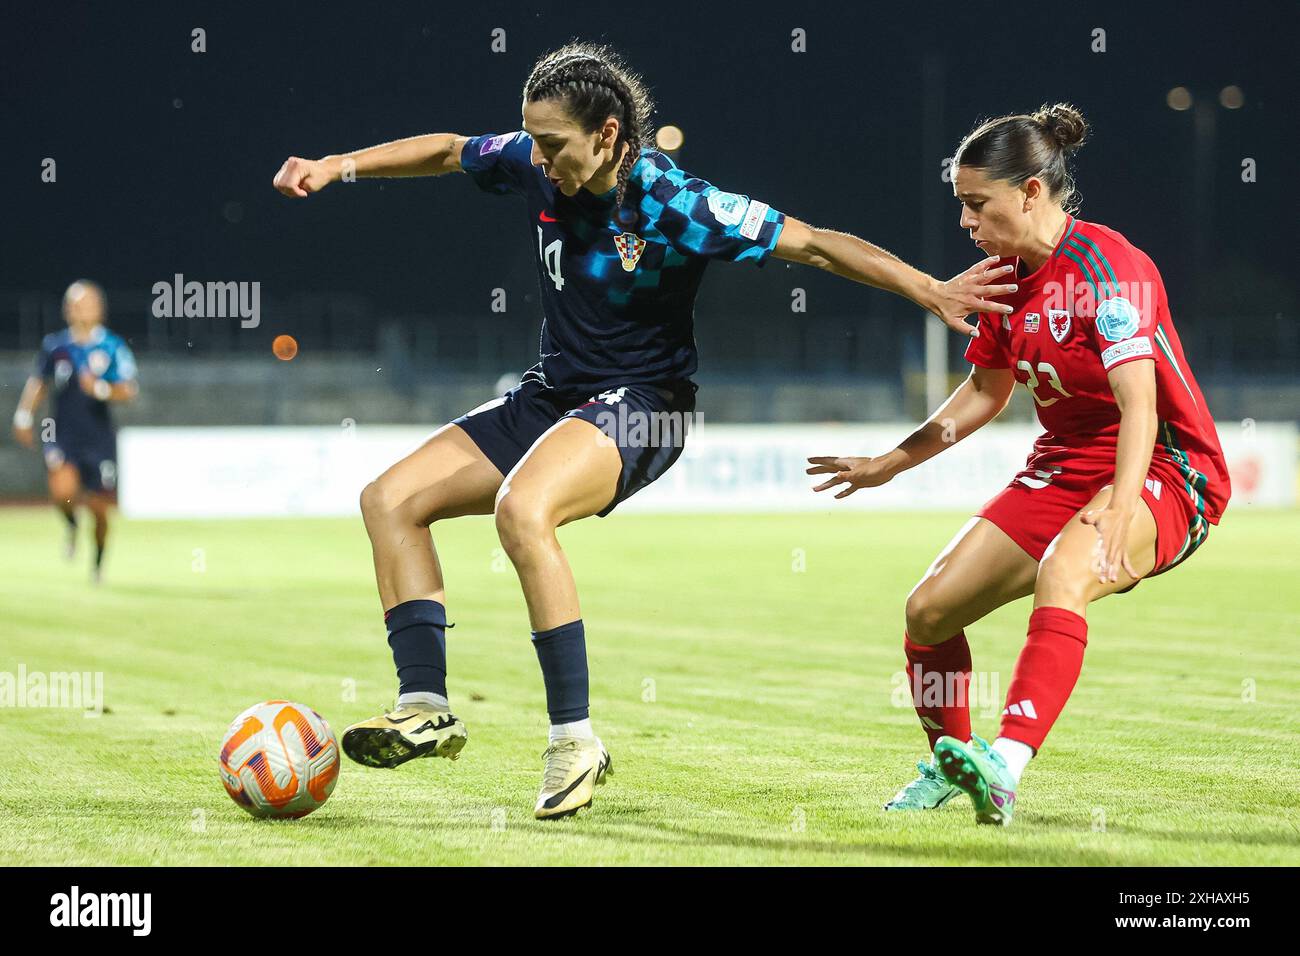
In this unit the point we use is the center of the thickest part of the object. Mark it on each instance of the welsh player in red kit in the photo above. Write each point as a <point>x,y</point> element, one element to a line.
<point>1124,483</point>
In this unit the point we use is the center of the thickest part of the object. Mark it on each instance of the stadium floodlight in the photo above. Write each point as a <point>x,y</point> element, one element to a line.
<point>1179,98</point>
<point>669,138</point>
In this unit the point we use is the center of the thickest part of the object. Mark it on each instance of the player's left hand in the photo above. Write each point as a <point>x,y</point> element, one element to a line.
<point>972,291</point>
<point>857,472</point>
<point>1111,552</point>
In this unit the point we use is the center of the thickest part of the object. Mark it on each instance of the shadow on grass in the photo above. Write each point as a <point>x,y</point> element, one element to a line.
<point>905,844</point>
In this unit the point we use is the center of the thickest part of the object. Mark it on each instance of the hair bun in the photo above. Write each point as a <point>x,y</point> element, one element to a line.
<point>1064,123</point>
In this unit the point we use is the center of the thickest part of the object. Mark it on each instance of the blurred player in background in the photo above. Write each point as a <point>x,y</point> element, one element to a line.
<point>87,368</point>
<point>1123,484</point>
<point>622,238</point>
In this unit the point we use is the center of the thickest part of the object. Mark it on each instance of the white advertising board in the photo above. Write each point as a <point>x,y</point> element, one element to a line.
<point>259,472</point>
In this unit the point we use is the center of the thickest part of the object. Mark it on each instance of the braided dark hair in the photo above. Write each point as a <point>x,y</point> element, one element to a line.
<point>595,84</point>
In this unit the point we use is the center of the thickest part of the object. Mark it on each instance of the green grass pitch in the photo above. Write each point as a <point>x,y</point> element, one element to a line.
<point>742,675</point>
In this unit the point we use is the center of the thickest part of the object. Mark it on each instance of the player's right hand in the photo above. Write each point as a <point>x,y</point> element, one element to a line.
<point>300,177</point>
<point>973,291</point>
<point>24,436</point>
<point>857,472</point>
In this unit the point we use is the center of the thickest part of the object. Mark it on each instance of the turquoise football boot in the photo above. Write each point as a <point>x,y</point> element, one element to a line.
<point>929,791</point>
<point>979,771</point>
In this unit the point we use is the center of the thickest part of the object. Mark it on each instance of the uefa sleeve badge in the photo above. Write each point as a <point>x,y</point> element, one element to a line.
<point>1117,319</point>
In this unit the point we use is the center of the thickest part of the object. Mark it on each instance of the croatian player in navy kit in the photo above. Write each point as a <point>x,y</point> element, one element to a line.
<point>88,368</point>
<point>622,238</point>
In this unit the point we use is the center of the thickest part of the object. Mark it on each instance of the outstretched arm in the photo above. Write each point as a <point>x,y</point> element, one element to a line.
<point>430,155</point>
<point>975,403</point>
<point>854,258</point>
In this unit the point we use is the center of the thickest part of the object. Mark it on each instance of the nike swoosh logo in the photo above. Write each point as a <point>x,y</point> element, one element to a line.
<point>545,218</point>
<point>428,725</point>
<point>556,800</point>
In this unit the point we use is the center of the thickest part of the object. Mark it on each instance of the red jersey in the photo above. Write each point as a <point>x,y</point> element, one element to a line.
<point>1096,303</point>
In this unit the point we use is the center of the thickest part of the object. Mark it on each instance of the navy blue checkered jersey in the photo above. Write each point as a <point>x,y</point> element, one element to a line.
<point>618,296</point>
<point>80,420</point>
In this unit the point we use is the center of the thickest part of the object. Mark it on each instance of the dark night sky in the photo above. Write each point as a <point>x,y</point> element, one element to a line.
<point>832,136</point>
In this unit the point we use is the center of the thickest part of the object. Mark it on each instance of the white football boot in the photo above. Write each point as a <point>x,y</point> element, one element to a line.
<point>391,739</point>
<point>574,768</point>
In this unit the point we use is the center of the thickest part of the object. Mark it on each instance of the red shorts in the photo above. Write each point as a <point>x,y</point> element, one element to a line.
<point>1034,508</point>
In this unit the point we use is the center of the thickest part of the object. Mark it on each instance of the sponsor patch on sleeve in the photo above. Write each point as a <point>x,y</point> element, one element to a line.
<point>727,208</point>
<point>754,219</point>
<point>496,143</point>
<point>1117,319</point>
<point>1126,350</point>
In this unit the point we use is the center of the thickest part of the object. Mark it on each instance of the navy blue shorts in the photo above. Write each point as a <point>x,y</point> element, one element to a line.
<point>96,463</point>
<point>647,422</point>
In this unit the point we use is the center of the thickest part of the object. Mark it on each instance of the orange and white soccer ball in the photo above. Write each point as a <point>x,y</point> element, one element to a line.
<point>279,759</point>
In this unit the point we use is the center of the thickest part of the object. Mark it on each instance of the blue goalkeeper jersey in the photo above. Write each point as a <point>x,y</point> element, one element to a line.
<point>618,292</point>
<point>80,420</point>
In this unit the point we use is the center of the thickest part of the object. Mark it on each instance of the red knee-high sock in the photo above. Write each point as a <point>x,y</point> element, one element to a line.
<point>939,676</point>
<point>1045,673</point>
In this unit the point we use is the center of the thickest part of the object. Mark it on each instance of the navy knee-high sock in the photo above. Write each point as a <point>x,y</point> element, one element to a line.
<point>417,633</point>
<point>562,652</point>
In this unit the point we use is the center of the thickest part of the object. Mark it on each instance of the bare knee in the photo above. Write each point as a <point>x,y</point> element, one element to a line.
<point>382,509</point>
<point>1061,582</point>
<point>382,506</point>
<point>926,616</point>
<point>64,485</point>
<point>374,507</point>
<point>522,524</point>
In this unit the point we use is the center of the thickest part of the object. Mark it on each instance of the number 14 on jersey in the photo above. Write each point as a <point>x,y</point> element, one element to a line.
<point>550,258</point>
